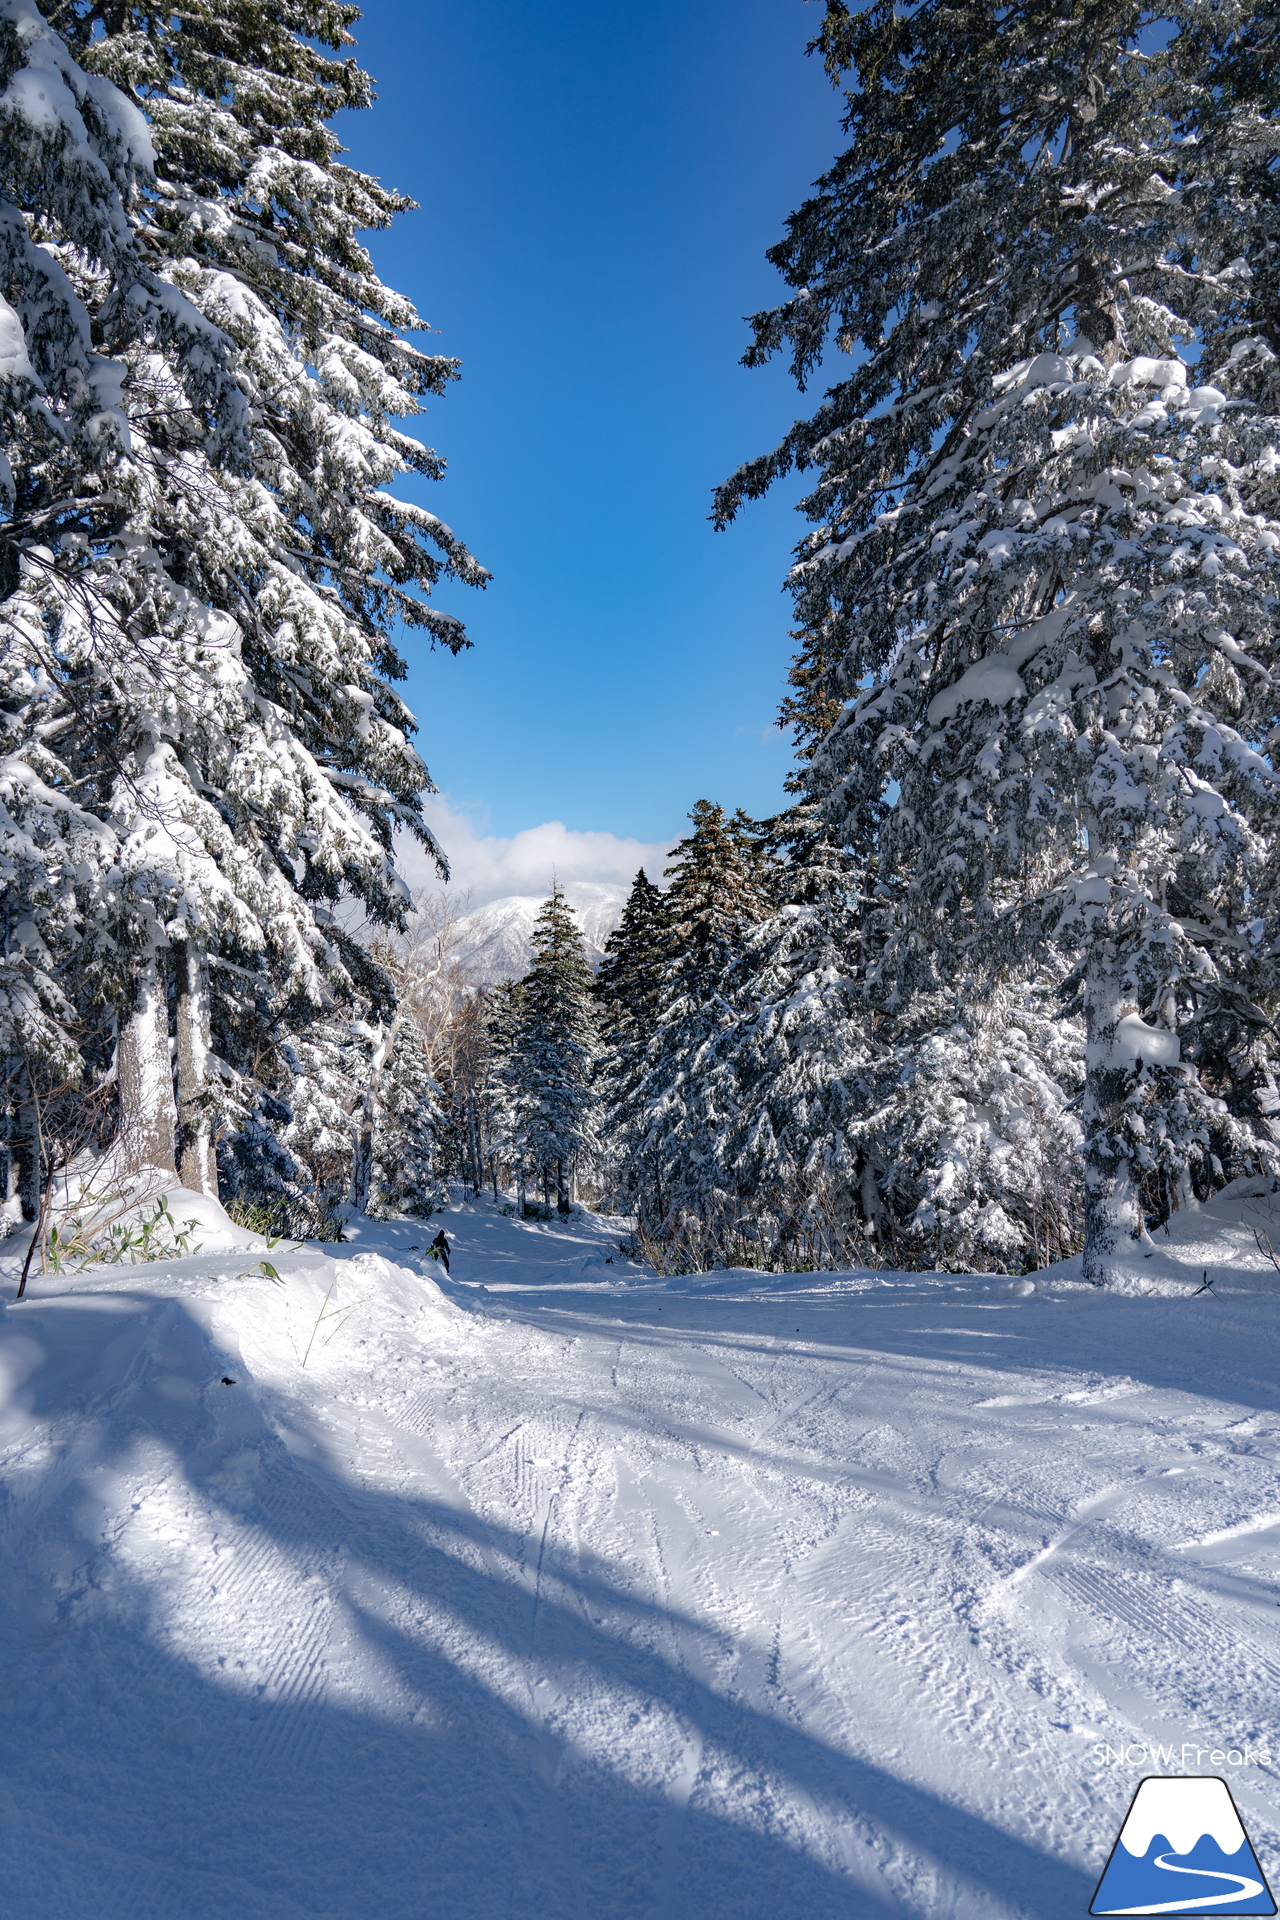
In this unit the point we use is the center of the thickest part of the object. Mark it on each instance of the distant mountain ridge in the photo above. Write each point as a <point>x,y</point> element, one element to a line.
<point>495,940</point>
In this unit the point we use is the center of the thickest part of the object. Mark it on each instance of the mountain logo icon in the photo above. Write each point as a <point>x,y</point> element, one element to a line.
<point>1183,1851</point>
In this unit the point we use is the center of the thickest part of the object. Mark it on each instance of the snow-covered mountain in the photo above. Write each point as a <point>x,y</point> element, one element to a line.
<point>495,939</point>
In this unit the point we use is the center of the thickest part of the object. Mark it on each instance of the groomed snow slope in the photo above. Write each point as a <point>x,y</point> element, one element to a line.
<point>568,1591</point>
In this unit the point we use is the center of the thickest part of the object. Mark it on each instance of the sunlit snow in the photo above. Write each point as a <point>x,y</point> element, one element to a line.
<point>557,1588</point>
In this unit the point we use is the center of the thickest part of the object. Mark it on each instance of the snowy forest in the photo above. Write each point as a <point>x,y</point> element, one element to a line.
<point>998,985</point>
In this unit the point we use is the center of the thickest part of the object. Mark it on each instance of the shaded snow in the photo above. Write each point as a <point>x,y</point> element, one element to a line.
<point>14,361</point>
<point>559,1589</point>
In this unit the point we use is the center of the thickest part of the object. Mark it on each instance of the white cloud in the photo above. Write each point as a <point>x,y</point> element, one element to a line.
<point>489,867</point>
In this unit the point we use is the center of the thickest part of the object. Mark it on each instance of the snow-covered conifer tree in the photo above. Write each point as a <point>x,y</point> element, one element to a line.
<point>555,1051</point>
<point>790,1071</point>
<point>932,1129</point>
<point>791,1066</point>
<point>1046,544</point>
<point>407,1175</point>
<point>972,1128</point>
<point>84,305</point>
<point>626,991</point>
<point>716,894</point>
<point>626,982</point>
<point>502,1099</point>
<point>235,708</point>
<point>328,1064</point>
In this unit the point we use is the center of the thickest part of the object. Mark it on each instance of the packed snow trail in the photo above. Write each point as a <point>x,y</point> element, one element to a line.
<point>571,1593</point>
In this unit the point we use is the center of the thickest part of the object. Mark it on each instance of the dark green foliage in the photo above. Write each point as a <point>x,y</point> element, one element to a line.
<point>555,1049</point>
<point>627,990</point>
<point>626,983</point>
<point>717,891</point>
<point>667,1121</point>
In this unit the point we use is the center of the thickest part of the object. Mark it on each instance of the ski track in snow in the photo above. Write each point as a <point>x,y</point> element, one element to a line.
<point>570,1593</point>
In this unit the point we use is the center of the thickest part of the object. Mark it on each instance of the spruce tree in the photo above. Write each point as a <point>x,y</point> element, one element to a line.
<point>716,895</point>
<point>627,986</point>
<point>792,1068</point>
<point>407,1171</point>
<point>626,982</point>
<point>328,1066</point>
<point>555,1051</point>
<point>503,1100</point>
<point>235,700</point>
<point>932,1127</point>
<point>972,1126</point>
<point>1045,546</point>
<point>80,444</point>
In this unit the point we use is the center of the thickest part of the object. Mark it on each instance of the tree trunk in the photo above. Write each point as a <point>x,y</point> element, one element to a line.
<point>26,1168</point>
<point>477,1154</point>
<point>1110,1202</point>
<point>197,1163</point>
<point>1269,1102</point>
<point>562,1189</point>
<point>362,1160</point>
<point>148,1116</point>
<point>870,1198</point>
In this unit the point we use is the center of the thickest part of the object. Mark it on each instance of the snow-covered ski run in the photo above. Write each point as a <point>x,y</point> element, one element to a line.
<point>555,1590</point>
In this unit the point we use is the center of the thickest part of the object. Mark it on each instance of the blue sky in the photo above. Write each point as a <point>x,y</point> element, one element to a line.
<point>598,184</point>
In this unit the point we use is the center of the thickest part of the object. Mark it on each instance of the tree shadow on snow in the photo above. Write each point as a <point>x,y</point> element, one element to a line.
<point>1159,1343</point>
<point>165,1769</point>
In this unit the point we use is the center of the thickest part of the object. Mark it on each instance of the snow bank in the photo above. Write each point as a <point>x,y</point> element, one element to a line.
<point>212,1225</point>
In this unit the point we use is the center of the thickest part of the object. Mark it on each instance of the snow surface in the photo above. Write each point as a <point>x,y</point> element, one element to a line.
<point>494,941</point>
<point>560,1589</point>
